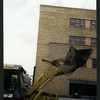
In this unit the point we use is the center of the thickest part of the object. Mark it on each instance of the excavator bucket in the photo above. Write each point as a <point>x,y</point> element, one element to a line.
<point>77,57</point>
<point>74,57</point>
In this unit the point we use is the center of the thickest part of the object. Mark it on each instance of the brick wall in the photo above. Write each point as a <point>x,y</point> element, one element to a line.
<point>53,43</point>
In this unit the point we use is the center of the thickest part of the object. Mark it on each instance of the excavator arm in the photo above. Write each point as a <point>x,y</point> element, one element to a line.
<point>73,60</point>
<point>48,75</point>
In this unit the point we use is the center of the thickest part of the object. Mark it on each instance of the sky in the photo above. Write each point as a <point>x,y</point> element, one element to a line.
<point>21,21</point>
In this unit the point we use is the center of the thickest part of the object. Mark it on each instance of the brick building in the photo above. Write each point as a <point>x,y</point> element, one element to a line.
<point>59,28</point>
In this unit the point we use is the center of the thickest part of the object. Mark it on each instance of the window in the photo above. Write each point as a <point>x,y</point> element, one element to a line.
<point>79,88</point>
<point>77,23</point>
<point>93,41</point>
<point>94,63</point>
<point>82,24</point>
<point>72,21</point>
<point>92,24</point>
<point>77,40</point>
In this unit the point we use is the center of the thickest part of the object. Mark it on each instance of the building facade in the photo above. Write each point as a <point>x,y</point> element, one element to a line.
<point>59,28</point>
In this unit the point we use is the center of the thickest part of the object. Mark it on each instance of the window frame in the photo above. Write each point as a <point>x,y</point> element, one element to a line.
<point>82,90</point>
<point>77,40</point>
<point>74,22</point>
<point>93,24</point>
<point>92,41</point>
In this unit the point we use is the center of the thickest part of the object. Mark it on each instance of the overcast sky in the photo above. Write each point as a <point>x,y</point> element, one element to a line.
<point>21,18</point>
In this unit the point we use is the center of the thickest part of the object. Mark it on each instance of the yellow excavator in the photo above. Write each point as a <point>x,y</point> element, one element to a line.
<point>73,60</point>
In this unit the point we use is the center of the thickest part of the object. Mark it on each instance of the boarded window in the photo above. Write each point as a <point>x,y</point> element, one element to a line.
<point>87,25</point>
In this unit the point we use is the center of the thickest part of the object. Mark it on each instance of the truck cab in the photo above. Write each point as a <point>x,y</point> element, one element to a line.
<point>16,82</point>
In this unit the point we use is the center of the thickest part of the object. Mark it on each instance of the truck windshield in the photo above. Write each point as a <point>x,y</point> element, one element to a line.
<point>10,82</point>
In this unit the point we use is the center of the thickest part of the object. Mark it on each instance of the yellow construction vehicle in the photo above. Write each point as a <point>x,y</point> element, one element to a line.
<point>73,60</point>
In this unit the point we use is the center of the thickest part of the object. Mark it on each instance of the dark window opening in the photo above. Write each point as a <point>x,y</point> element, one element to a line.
<point>94,63</point>
<point>82,89</point>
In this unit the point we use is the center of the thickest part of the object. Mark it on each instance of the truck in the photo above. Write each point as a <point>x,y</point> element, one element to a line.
<point>16,81</point>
